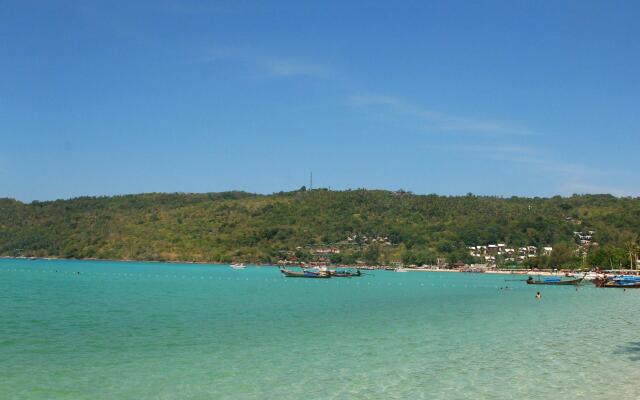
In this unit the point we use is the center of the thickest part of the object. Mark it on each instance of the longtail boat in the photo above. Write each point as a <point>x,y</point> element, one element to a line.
<point>304,274</point>
<point>345,274</point>
<point>554,280</point>
<point>620,281</point>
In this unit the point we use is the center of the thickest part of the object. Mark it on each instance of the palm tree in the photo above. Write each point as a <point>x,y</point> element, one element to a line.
<point>632,248</point>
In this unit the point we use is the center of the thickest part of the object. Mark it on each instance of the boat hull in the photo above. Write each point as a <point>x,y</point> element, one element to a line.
<point>303,274</point>
<point>345,274</point>
<point>559,283</point>
<point>607,283</point>
<point>623,286</point>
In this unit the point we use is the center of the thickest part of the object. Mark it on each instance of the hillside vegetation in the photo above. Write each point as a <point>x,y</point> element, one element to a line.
<point>222,227</point>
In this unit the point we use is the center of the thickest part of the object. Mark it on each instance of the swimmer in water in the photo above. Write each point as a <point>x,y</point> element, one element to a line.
<point>538,296</point>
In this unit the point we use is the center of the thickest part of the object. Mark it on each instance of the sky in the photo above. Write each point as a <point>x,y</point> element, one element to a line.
<point>490,97</point>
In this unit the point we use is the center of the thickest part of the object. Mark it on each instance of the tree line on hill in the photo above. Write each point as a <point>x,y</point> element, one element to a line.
<point>239,226</point>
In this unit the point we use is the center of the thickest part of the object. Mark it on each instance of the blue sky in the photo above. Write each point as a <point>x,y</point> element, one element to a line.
<point>500,98</point>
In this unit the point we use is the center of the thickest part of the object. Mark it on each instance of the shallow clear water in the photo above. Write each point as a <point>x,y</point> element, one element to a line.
<point>169,331</point>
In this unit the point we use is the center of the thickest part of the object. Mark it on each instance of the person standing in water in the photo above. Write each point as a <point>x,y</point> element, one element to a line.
<point>538,296</point>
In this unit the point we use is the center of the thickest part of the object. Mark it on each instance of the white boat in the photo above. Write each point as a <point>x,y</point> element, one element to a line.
<point>238,266</point>
<point>401,270</point>
<point>592,276</point>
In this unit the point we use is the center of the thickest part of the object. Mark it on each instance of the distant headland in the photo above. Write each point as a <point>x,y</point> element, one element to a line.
<point>353,227</point>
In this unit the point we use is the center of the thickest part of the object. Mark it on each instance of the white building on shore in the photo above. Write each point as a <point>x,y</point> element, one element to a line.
<point>488,253</point>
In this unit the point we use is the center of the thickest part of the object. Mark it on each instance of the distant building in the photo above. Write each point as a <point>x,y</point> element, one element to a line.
<point>490,252</point>
<point>585,240</point>
<point>326,250</point>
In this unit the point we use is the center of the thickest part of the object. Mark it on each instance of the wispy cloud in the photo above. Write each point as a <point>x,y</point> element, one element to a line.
<point>520,150</point>
<point>497,137</point>
<point>569,177</point>
<point>434,120</point>
<point>549,164</point>
<point>536,159</point>
<point>490,127</point>
<point>268,65</point>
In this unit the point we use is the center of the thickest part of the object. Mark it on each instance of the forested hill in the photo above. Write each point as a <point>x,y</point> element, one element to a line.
<point>249,227</point>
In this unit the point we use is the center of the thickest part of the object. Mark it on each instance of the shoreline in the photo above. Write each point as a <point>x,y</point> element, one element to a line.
<point>494,271</point>
<point>119,260</point>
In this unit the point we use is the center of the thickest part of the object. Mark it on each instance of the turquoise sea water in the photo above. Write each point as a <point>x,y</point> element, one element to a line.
<point>169,331</point>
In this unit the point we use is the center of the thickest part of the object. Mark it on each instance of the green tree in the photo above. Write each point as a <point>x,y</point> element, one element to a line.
<point>563,254</point>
